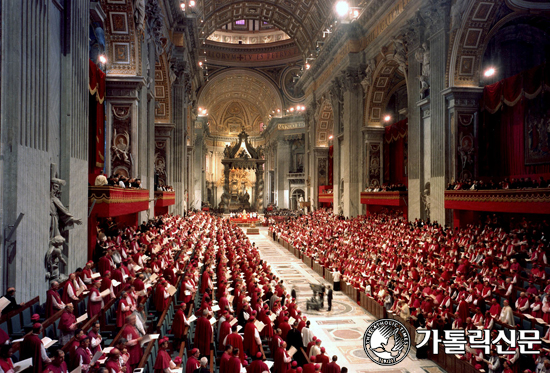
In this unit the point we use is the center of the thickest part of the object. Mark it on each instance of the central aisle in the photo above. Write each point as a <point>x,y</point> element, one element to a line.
<point>340,330</point>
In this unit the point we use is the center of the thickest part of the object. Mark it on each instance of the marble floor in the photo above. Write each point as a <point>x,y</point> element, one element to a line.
<point>340,330</point>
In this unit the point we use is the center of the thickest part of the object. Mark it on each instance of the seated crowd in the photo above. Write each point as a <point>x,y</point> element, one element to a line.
<point>204,269</point>
<point>118,180</point>
<point>399,187</point>
<point>478,277</point>
<point>507,183</point>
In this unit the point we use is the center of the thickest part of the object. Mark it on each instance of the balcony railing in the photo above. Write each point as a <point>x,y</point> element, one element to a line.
<point>528,201</point>
<point>108,201</point>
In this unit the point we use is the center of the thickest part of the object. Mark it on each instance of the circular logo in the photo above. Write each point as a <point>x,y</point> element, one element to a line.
<point>386,342</point>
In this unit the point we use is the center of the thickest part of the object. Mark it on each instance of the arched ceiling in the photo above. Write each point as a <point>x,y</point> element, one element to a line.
<point>255,93</point>
<point>302,20</point>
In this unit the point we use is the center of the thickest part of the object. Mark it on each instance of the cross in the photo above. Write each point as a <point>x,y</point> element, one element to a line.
<point>240,58</point>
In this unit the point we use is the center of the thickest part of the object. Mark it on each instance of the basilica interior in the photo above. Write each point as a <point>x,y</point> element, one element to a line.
<point>155,123</point>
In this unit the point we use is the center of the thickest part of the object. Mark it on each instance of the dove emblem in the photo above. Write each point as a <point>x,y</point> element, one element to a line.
<point>386,342</point>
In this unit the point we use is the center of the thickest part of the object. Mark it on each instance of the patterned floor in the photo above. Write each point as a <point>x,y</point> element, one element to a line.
<point>342,329</point>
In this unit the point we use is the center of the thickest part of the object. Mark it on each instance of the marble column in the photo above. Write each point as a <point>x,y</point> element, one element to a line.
<point>178,150</point>
<point>462,122</point>
<point>351,161</point>
<point>198,166</point>
<point>282,169</point>
<point>436,19</point>
<point>337,100</point>
<point>416,139</point>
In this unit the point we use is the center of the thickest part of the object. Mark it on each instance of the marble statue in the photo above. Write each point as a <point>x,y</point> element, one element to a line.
<point>120,146</point>
<point>400,54</point>
<point>422,56</point>
<point>139,15</point>
<point>426,200</point>
<point>424,87</point>
<point>369,71</point>
<point>61,220</point>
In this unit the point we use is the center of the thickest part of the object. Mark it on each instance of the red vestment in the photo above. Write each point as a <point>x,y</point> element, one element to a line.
<point>203,336</point>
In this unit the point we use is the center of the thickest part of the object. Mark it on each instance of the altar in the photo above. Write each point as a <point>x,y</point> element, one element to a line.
<point>242,157</point>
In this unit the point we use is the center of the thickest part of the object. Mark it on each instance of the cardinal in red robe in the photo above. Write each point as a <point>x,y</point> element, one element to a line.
<point>257,366</point>
<point>203,334</point>
<point>163,358</point>
<point>131,334</point>
<point>193,361</point>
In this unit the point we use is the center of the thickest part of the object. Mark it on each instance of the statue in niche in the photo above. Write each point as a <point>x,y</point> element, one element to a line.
<point>61,220</point>
<point>426,200</point>
<point>121,146</point>
<point>227,151</point>
<point>139,15</point>
<point>424,87</point>
<point>422,55</point>
<point>367,80</point>
<point>400,54</point>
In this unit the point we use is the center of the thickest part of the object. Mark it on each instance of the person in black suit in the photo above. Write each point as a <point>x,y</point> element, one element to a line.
<point>10,295</point>
<point>329,298</point>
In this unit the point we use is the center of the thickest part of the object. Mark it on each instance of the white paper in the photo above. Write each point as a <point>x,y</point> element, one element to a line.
<point>48,342</point>
<point>216,308</point>
<point>17,340</point>
<point>78,369</point>
<point>82,318</point>
<point>137,268</point>
<point>259,325</point>
<point>291,320</point>
<point>187,292</point>
<point>269,363</point>
<point>272,317</point>
<point>171,290</point>
<point>192,318</point>
<point>96,357</point>
<point>96,275</point>
<point>292,351</point>
<point>115,283</point>
<point>212,320</point>
<point>104,293</point>
<point>239,328</point>
<point>148,338</point>
<point>106,350</point>
<point>177,370</point>
<point>22,365</point>
<point>233,322</point>
<point>4,303</point>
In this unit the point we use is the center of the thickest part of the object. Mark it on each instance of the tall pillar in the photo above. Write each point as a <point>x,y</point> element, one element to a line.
<point>337,101</point>
<point>282,169</point>
<point>462,122</point>
<point>179,155</point>
<point>351,150</point>
<point>415,131</point>
<point>198,167</point>
<point>436,17</point>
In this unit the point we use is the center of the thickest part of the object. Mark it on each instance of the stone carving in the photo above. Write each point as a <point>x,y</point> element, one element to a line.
<point>426,200</point>
<point>61,220</point>
<point>367,80</point>
<point>424,87</point>
<point>457,11</point>
<point>422,55</point>
<point>139,15</point>
<point>155,19</point>
<point>400,53</point>
<point>121,146</point>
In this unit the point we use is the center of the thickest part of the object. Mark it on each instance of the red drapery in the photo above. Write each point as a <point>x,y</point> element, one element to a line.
<point>503,131</point>
<point>395,156</point>
<point>97,119</point>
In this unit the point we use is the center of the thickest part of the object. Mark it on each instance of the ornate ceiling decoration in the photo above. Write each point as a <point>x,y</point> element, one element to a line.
<point>325,124</point>
<point>254,95</point>
<point>248,37</point>
<point>302,20</point>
